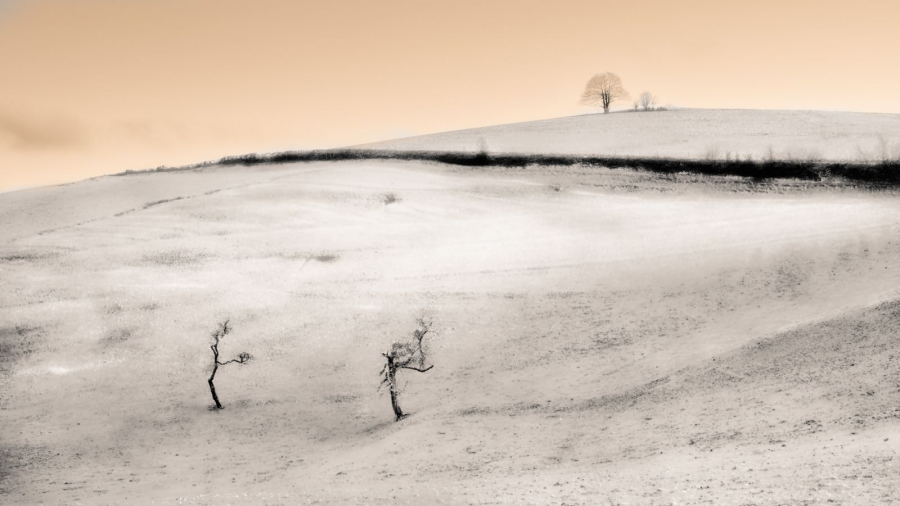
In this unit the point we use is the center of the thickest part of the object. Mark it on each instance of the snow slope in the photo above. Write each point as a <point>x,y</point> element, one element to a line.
<point>602,337</point>
<point>688,133</point>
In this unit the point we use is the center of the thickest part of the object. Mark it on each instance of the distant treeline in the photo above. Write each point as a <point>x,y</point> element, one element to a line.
<point>886,172</point>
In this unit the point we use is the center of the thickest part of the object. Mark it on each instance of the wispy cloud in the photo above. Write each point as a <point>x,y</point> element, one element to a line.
<point>20,132</point>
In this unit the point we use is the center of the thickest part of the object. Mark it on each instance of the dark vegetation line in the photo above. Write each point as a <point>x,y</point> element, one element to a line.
<point>886,172</point>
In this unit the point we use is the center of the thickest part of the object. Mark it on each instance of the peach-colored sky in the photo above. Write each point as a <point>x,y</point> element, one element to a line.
<point>89,87</point>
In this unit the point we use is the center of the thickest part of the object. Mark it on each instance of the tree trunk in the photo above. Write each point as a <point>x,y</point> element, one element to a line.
<point>605,109</point>
<point>212,389</point>
<point>392,383</point>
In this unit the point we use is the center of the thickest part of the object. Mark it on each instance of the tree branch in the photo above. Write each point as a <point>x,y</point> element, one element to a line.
<point>235,360</point>
<point>416,368</point>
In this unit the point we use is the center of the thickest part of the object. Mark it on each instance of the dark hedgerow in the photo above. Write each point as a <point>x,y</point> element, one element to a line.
<point>887,172</point>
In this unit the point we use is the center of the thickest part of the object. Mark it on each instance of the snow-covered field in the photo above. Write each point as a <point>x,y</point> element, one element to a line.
<point>601,337</point>
<point>685,133</point>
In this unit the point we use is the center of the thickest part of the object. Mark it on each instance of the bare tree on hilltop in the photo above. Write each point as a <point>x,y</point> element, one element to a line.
<point>647,101</point>
<point>223,329</point>
<point>602,90</point>
<point>405,355</point>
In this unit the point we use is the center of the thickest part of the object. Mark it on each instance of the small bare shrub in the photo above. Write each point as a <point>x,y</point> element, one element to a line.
<point>223,329</point>
<point>888,152</point>
<point>389,198</point>
<point>482,153</point>
<point>813,155</point>
<point>883,151</point>
<point>884,148</point>
<point>408,354</point>
<point>482,146</point>
<point>803,155</point>
<point>862,155</point>
<point>712,153</point>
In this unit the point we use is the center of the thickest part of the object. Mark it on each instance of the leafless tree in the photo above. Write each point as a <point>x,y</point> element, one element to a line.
<point>405,355</point>
<point>221,331</point>
<point>647,100</point>
<point>888,151</point>
<point>482,152</point>
<point>602,90</point>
